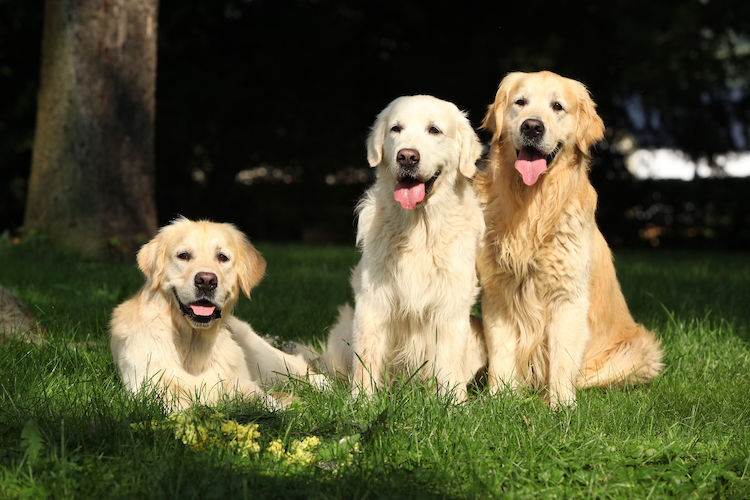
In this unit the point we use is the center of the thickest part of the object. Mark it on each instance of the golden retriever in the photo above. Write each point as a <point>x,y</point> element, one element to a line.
<point>178,332</point>
<point>418,229</point>
<point>553,312</point>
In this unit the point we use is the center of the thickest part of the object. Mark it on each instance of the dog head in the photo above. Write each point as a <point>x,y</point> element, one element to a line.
<point>419,143</point>
<point>541,115</point>
<point>200,267</point>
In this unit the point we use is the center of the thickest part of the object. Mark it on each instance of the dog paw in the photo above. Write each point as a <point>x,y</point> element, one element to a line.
<point>363,392</point>
<point>456,393</point>
<point>319,381</point>
<point>563,401</point>
<point>273,404</point>
<point>510,387</point>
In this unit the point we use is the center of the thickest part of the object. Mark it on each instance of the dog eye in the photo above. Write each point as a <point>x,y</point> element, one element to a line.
<point>396,128</point>
<point>520,102</point>
<point>183,256</point>
<point>222,258</point>
<point>557,106</point>
<point>434,130</point>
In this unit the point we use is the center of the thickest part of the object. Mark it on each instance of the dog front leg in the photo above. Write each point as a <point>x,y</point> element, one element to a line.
<point>185,389</point>
<point>502,342</point>
<point>250,390</point>
<point>369,345</point>
<point>452,357</point>
<point>568,332</point>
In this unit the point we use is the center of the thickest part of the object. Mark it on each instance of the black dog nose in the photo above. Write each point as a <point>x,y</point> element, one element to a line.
<point>407,158</point>
<point>532,128</point>
<point>205,282</point>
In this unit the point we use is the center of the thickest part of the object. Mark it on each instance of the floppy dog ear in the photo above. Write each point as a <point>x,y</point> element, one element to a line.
<point>590,127</point>
<point>469,147</point>
<point>151,260</point>
<point>493,120</point>
<point>376,137</point>
<point>250,266</point>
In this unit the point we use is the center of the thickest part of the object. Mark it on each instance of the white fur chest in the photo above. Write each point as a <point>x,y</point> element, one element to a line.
<point>421,269</point>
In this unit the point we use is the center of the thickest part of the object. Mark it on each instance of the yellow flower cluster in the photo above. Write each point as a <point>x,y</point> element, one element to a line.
<point>276,448</point>
<point>303,452</point>
<point>243,438</point>
<point>192,435</point>
<point>300,452</point>
<point>200,430</point>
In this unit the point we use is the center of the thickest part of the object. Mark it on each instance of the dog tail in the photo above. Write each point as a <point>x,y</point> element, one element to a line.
<point>632,359</point>
<point>338,356</point>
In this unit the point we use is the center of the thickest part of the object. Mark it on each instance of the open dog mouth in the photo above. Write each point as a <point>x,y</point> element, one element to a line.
<point>532,163</point>
<point>410,190</point>
<point>200,311</point>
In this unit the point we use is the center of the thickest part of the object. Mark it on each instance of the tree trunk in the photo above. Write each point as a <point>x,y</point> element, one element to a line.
<point>91,187</point>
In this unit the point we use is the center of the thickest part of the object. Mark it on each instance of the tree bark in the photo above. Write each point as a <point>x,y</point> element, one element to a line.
<point>91,187</point>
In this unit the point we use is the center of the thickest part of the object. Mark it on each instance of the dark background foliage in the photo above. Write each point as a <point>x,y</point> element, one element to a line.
<point>293,86</point>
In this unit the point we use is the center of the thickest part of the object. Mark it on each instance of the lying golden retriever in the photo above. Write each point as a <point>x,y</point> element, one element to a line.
<point>419,227</point>
<point>553,312</point>
<point>178,333</point>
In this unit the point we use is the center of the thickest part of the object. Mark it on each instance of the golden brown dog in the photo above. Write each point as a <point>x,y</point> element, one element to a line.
<point>553,312</point>
<point>178,332</point>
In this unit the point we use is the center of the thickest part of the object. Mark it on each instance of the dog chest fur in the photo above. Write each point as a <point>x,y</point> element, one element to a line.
<point>425,268</point>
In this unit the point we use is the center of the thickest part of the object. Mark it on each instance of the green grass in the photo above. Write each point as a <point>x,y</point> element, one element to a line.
<point>65,421</point>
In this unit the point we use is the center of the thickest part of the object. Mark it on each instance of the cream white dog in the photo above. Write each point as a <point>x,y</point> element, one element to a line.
<point>418,230</point>
<point>178,332</point>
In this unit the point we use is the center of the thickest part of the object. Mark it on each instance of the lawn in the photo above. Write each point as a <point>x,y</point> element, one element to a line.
<point>68,429</point>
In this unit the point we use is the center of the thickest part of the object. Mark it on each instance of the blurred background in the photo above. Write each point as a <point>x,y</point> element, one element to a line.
<point>263,106</point>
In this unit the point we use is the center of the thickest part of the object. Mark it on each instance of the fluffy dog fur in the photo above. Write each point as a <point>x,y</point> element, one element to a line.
<point>553,312</point>
<point>178,333</point>
<point>418,229</point>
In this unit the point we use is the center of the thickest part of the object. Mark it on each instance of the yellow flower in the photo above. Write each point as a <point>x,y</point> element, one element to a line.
<point>302,452</point>
<point>228,427</point>
<point>276,448</point>
<point>202,432</point>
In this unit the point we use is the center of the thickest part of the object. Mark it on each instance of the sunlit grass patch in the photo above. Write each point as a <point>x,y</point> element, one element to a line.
<point>69,429</point>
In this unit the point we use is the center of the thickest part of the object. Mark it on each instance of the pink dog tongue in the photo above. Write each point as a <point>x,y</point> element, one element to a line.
<point>409,193</point>
<point>202,310</point>
<point>531,164</point>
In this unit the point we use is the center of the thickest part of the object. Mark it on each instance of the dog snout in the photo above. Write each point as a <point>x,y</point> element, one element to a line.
<point>407,158</point>
<point>206,282</point>
<point>532,128</point>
